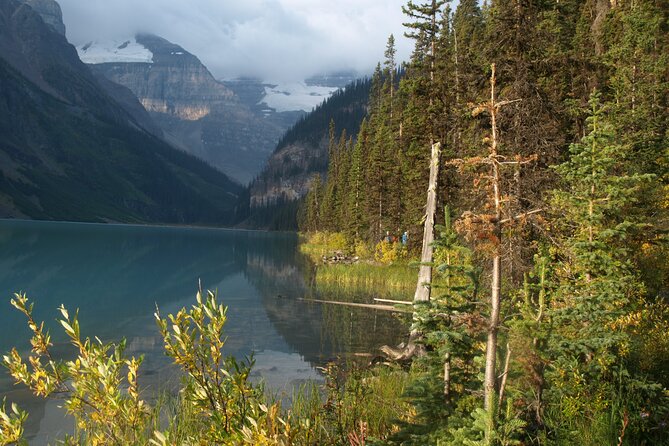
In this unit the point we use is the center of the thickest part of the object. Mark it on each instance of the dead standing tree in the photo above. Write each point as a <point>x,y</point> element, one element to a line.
<point>406,352</point>
<point>490,226</point>
<point>425,272</point>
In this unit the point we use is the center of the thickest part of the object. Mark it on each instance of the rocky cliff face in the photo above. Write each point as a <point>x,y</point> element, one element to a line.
<point>172,81</point>
<point>289,172</point>
<point>50,12</point>
<point>303,151</point>
<point>197,113</point>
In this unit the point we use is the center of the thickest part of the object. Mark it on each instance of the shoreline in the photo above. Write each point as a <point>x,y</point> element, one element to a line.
<point>143,225</point>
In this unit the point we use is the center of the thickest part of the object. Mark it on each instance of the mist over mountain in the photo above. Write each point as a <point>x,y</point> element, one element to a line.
<point>275,40</point>
<point>69,151</point>
<point>233,125</point>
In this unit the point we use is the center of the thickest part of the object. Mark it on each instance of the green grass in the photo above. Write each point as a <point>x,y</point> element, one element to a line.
<point>353,395</point>
<point>384,279</point>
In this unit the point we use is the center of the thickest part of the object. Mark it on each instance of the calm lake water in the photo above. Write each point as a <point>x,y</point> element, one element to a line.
<point>115,275</point>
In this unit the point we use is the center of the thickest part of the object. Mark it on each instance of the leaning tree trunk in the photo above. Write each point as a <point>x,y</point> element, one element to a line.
<point>425,273</point>
<point>412,348</point>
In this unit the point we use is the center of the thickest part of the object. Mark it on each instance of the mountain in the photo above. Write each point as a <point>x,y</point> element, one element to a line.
<point>336,79</point>
<point>225,124</point>
<point>285,98</point>
<point>50,12</point>
<point>301,153</point>
<point>68,151</point>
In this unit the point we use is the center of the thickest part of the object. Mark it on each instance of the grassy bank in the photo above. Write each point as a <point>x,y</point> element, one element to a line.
<point>397,279</point>
<point>384,268</point>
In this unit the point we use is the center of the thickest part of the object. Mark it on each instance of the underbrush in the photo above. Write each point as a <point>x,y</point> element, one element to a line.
<point>316,245</point>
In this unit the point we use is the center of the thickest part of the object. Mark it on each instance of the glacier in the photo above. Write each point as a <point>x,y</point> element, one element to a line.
<point>114,51</point>
<point>294,96</point>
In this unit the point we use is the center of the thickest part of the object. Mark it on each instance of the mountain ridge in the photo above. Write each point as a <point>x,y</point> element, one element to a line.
<point>197,113</point>
<point>70,152</point>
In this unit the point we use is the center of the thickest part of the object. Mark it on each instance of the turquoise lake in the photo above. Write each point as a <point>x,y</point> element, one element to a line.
<point>117,274</point>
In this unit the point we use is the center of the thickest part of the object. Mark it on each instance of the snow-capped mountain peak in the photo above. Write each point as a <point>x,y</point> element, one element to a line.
<point>114,51</point>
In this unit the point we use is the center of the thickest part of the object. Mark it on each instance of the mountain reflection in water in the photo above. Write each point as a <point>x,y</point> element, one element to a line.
<point>116,275</point>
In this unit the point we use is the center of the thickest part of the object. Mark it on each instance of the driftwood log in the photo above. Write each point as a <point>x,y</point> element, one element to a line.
<point>338,257</point>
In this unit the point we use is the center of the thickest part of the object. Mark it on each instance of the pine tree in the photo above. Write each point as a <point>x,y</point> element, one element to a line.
<point>447,374</point>
<point>313,199</point>
<point>377,178</point>
<point>425,26</point>
<point>344,148</point>
<point>598,284</point>
<point>356,221</point>
<point>520,41</point>
<point>638,56</point>
<point>468,67</point>
<point>390,67</point>
<point>376,91</point>
<point>328,203</point>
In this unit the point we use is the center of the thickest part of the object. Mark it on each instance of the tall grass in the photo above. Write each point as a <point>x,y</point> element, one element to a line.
<point>397,279</point>
<point>353,396</point>
<point>324,413</point>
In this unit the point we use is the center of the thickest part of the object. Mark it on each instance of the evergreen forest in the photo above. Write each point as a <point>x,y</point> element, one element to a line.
<point>544,126</point>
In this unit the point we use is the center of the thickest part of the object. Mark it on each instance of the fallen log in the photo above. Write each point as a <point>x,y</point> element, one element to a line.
<point>355,304</point>
<point>397,302</point>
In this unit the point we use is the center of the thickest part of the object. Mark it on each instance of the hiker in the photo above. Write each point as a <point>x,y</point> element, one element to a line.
<point>388,238</point>
<point>405,238</point>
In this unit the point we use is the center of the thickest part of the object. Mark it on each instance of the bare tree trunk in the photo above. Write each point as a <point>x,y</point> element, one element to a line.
<point>505,374</point>
<point>447,377</point>
<point>412,348</point>
<point>490,382</point>
<point>425,273</point>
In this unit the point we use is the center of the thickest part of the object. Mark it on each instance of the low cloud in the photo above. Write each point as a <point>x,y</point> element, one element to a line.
<point>270,39</point>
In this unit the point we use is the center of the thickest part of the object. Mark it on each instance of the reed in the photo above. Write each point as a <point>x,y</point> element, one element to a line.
<point>396,279</point>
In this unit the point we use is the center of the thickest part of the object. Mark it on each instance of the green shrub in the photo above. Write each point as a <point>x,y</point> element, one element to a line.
<point>318,244</point>
<point>100,385</point>
<point>388,253</point>
<point>217,403</point>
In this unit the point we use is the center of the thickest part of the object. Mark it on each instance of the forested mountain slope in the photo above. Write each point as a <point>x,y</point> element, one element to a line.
<point>302,153</point>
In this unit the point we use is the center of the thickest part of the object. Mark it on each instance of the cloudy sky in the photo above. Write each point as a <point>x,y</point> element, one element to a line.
<point>270,39</point>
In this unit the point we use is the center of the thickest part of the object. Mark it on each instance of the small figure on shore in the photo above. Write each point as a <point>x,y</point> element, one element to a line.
<point>405,238</point>
<point>388,238</point>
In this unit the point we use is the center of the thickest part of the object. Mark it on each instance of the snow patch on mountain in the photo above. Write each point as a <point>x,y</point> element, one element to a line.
<point>114,51</point>
<point>295,96</point>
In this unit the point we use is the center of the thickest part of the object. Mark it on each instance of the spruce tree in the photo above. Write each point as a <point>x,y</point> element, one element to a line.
<point>328,203</point>
<point>390,67</point>
<point>597,286</point>
<point>341,180</point>
<point>446,375</point>
<point>312,202</point>
<point>355,224</point>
